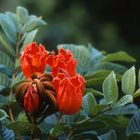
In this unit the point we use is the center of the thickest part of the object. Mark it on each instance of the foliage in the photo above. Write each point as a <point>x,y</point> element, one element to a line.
<point>107,101</point>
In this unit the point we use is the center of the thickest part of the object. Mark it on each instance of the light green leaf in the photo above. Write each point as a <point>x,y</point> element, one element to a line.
<point>22,117</point>
<point>124,100</point>
<point>8,27</point>
<point>3,115</point>
<point>15,20</point>
<point>111,135</point>
<point>6,60</point>
<point>89,102</point>
<point>57,130</point>
<point>110,88</point>
<point>4,80</point>
<point>137,93</point>
<point>129,81</point>
<point>139,78</point>
<point>81,53</point>
<point>26,127</point>
<point>32,24</point>
<point>118,56</point>
<point>22,14</point>
<point>133,125</point>
<point>29,37</point>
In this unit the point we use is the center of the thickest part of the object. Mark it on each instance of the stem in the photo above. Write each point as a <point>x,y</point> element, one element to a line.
<point>13,77</point>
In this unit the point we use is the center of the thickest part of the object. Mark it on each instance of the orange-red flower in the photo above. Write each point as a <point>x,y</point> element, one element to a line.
<point>31,100</point>
<point>33,59</point>
<point>69,84</point>
<point>69,93</point>
<point>64,61</point>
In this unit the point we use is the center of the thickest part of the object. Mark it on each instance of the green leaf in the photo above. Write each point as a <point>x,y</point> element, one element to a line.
<point>111,135</point>
<point>22,117</point>
<point>29,37</point>
<point>117,68</point>
<point>139,78</point>
<point>89,102</point>
<point>3,115</point>
<point>3,100</point>
<point>129,81</point>
<point>123,110</point>
<point>110,88</point>
<point>32,24</point>
<point>15,20</point>
<point>95,81</point>
<point>6,60</point>
<point>19,78</point>
<point>97,74</point>
<point>124,100</point>
<point>4,80</point>
<point>81,53</point>
<point>119,56</point>
<point>8,49</point>
<point>93,91</point>
<point>135,136</point>
<point>26,127</point>
<point>137,93</point>
<point>57,130</point>
<point>133,125</point>
<point>99,126</point>
<point>8,27</point>
<point>22,14</point>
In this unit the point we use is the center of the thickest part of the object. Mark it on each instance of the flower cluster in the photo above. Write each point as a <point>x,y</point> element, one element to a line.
<point>44,93</point>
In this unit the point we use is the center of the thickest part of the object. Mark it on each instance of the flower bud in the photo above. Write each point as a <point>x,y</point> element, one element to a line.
<point>31,100</point>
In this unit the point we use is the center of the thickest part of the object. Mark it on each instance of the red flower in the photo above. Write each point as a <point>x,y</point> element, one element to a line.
<point>63,61</point>
<point>31,100</point>
<point>33,59</point>
<point>69,93</point>
<point>68,84</point>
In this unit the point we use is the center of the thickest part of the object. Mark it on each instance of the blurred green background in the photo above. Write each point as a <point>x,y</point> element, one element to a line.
<point>108,25</point>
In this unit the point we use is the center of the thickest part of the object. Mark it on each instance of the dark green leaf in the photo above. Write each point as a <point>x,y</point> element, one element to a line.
<point>6,45</point>
<point>19,78</point>
<point>133,126</point>
<point>139,78</point>
<point>26,127</point>
<point>129,81</point>
<point>135,136</point>
<point>110,88</point>
<point>3,100</point>
<point>57,130</point>
<point>118,56</point>
<point>111,135</point>
<point>123,110</point>
<point>3,115</point>
<point>117,68</point>
<point>93,91</point>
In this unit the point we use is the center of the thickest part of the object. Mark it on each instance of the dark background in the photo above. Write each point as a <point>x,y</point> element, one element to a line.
<point>108,25</point>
